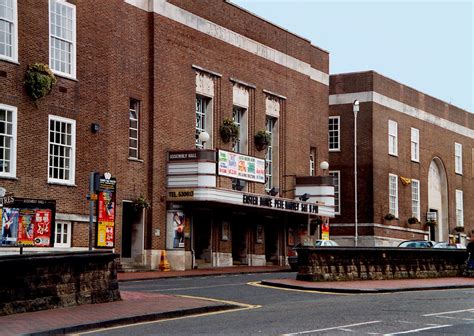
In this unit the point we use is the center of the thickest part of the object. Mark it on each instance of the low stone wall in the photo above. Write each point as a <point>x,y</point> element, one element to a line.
<point>353,263</point>
<point>52,280</point>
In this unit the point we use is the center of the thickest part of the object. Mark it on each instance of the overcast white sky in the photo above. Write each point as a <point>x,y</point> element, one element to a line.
<point>425,44</point>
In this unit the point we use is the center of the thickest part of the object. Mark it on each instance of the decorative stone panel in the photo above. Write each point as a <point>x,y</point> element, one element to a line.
<point>204,84</point>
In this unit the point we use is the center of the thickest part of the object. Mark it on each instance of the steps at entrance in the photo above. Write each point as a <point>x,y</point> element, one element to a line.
<point>132,267</point>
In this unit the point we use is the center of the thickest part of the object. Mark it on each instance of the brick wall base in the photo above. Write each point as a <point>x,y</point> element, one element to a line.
<point>55,280</point>
<point>335,264</point>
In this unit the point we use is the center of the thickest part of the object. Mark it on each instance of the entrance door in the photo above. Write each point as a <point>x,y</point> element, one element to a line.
<point>239,238</point>
<point>132,233</point>
<point>202,240</point>
<point>271,244</point>
<point>438,199</point>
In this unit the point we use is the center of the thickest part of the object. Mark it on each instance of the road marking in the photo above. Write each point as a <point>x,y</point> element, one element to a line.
<point>259,284</point>
<point>196,287</point>
<point>244,306</point>
<point>420,329</point>
<point>332,328</point>
<point>456,318</point>
<point>450,312</point>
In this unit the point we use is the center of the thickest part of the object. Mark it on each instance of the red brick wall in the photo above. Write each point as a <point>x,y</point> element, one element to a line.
<point>434,142</point>
<point>124,52</point>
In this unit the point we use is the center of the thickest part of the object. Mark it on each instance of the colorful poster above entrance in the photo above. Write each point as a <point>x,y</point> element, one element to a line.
<point>241,166</point>
<point>106,212</point>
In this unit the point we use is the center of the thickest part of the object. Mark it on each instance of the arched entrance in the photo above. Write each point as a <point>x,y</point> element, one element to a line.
<point>438,199</point>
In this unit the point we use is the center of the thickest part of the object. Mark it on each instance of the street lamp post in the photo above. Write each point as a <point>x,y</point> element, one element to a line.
<point>355,108</point>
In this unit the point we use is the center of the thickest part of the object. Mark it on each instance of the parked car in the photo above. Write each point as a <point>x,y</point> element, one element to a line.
<point>449,246</point>
<point>293,255</point>
<point>417,244</point>
<point>318,243</point>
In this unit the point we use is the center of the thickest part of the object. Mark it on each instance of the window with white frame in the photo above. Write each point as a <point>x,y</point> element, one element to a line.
<point>393,194</point>
<point>61,150</point>
<point>336,175</point>
<point>63,234</point>
<point>269,157</point>
<point>457,158</point>
<point>133,128</point>
<point>62,38</point>
<point>8,30</point>
<point>415,198</point>
<point>202,118</point>
<point>459,208</point>
<point>8,124</point>
<point>239,116</point>
<point>415,144</point>
<point>392,137</point>
<point>334,134</point>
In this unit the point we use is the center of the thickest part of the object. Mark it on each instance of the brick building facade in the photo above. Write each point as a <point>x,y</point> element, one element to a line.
<point>137,82</point>
<point>414,160</point>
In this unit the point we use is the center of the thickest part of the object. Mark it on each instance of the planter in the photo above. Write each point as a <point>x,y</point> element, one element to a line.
<point>39,81</point>
<point>413,220</point>
<point>459,229</point>
<point>262,140</point>
<point>229,131</point>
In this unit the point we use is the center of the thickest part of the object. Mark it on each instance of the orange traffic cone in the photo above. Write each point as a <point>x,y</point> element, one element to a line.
<point>164,264</point>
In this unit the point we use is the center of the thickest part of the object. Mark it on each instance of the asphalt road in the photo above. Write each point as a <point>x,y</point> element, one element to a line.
<point>273,311</point>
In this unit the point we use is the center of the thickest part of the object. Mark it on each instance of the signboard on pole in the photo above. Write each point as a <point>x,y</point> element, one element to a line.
<point>106,207</point>
<point>28,222</point>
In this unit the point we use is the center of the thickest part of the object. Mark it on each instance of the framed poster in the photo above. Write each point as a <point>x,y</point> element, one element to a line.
<point>225,231</point>
<point>291,237</point>
<point>259,235</point>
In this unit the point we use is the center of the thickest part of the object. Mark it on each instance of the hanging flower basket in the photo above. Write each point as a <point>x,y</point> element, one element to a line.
<point>389,217</point>
<point>229,131</point>
<point>141,203</point>
<point>262,140</point>
<point>459,229</point>
<point>413,220</point>
<point>39,81</point>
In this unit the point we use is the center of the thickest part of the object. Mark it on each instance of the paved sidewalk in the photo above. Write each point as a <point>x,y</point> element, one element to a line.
<point>139,307</point>
<point>373,286</point>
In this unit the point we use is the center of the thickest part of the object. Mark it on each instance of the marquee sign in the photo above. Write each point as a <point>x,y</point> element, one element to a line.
<point>280,204</point>
<point>241,166</point>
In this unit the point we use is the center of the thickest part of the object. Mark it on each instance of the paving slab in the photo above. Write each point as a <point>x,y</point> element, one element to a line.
<point>134,307</point>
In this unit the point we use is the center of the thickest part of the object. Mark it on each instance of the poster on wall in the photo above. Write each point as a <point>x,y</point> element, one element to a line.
<point>26,226</point>
<point>175,229</point>
<point>43,228</point>
<point>9,226</point>
<point>106,212</point>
